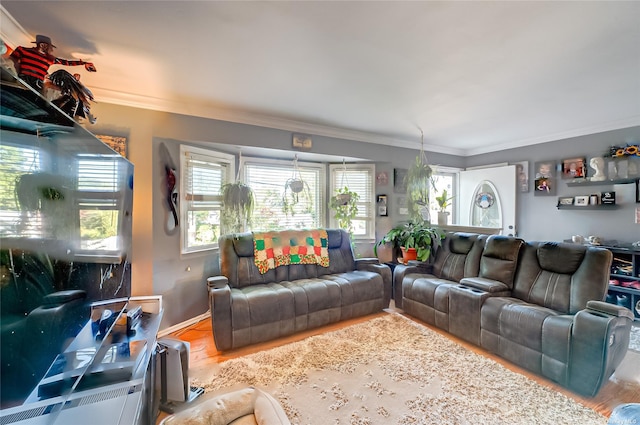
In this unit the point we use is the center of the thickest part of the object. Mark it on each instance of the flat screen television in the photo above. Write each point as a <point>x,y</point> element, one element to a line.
<point>65,234</point>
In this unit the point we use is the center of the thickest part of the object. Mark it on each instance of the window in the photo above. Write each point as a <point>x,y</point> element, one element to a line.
<point>82,208</point>
<point>268,179</point>
<point>360,179</point>
<point>203,173</point>
<point>443,179</point>
<point>99,202</point>
<point>14,220</point>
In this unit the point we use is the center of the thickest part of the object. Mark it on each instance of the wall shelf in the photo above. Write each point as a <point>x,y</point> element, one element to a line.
<point>600,207</point>
<point>583,182</point>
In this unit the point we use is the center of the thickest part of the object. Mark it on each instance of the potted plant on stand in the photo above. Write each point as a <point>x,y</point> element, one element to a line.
<point>444,201</point>
<point>416,238</point>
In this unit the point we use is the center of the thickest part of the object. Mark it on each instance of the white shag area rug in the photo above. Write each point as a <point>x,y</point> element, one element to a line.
<point>391,370</point>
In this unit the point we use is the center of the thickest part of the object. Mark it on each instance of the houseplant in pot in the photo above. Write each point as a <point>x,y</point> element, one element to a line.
<point>416,235</point>
<point>345,206</point>
<point>237,207</point>
<point>444,201</point>
<point>419,181</point>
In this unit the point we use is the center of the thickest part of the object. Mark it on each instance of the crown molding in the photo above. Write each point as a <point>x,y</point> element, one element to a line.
<point>261,120</point>
<point>633,121</point>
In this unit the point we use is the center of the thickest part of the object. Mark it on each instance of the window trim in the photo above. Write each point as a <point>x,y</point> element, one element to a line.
<point>216,157</point>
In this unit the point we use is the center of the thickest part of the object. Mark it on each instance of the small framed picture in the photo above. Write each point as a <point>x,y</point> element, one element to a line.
<point>581,201</point>
<point>382,205</point>
<point>545,178</point>
<point>574,168</point>
<point>522,175</point>
<point>568,200</point>
<point>399,180</point>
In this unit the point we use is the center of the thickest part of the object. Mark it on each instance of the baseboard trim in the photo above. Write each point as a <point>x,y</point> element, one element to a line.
<point>182,325</point>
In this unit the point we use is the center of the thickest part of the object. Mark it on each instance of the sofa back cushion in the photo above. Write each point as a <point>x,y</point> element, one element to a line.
<point>341,257</point>
<point>237,261</point>
<point>500,258</point>
<point>561,276</point>
<point>459,256</point>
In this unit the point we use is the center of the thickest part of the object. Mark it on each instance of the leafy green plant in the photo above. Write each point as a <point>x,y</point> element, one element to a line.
<point>415,233</point>
<point>443,200</point>
<point>237,207</point>
<point>345,206</point>
<point>419,181</point>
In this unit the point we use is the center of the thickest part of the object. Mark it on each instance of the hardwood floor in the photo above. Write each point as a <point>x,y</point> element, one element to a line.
<point>203,352</point>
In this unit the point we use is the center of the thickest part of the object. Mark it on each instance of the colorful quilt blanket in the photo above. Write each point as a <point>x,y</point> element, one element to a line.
<point>274,249</point>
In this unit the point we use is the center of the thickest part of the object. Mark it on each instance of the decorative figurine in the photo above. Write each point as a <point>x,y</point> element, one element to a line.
<point>597,163</point>
<point>32,63</point>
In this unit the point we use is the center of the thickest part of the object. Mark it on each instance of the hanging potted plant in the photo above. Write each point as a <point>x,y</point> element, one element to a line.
<point>419,181</point>
<point>345,206</point>
<point>416,237</point>
<point>297,194</point>
<point>237,207</point>
<point>443,201</point>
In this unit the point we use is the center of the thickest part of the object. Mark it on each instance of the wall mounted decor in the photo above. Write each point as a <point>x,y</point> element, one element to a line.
<point>545,181</point>
<point>382,178</point>
<point>573,168</point>
<point>381,202</point>
<point>399,180</point>
<point>568,200</point>
<point>117,143</point>
<point>302,141</point>
<point>522,175</point>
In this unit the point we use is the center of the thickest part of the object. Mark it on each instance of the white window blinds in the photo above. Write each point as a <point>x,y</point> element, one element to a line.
<point>98,201</point>
<point>203,173</point>
<point>277,207</point>
<point>17,161</point>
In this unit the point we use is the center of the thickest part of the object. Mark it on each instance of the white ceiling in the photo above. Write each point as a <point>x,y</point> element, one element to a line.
<point>474,76</point>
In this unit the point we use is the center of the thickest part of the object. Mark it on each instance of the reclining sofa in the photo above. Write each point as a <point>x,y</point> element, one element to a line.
<point>537,304</point>
<point>251,304</point>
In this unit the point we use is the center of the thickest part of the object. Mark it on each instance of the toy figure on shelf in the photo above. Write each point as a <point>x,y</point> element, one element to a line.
<point>75,96</point>
<point>32,63</point>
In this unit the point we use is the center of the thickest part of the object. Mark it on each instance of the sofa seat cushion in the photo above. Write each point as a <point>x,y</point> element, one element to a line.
<point>357,286</point>
<point>429,291</point>
<point>515,320</point>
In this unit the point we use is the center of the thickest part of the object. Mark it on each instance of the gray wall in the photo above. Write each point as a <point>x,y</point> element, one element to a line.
<point>157,264</point>
<point>538,217</point>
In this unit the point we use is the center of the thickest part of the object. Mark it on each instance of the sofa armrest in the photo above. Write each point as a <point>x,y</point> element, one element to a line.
<point>220,306</point>
<point>609,309</point>
<point>217,282</point>
<point>368,260</point>
<point>401,270</point>
<point>599,342</point>
<point>487,285</point>
<point>384,271</point>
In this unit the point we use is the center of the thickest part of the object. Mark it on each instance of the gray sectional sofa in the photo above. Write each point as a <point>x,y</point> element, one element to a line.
<point>538,304</point>
<point>248,306</point>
